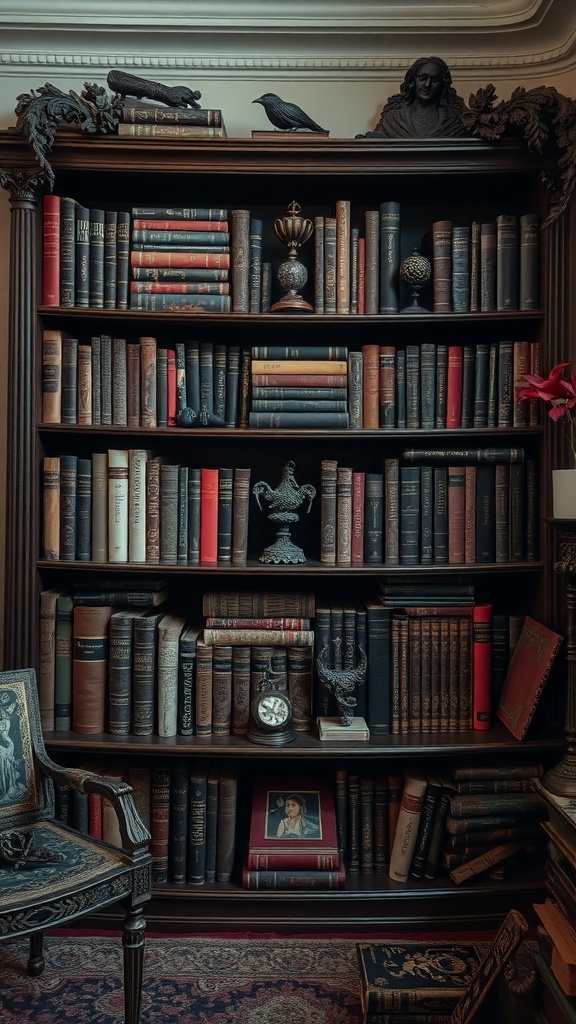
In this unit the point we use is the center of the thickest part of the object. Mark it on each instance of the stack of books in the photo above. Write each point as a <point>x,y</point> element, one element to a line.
<point>299,386</point>
<point>293,842</point>
<point>557,915</point>
<point>180,259</point>
<point>144,119</point>
<point>250,638</point>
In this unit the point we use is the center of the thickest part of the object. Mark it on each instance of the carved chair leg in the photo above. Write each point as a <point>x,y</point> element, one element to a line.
<point>36,962</point>
<point>133,938</point>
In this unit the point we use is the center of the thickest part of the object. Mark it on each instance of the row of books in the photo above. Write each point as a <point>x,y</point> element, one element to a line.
<point>113,382</point>
<point>475,267</point>
<point>437,386</point>
<point>431,507</point>
<point>202,244</point>
<point>129,505</point>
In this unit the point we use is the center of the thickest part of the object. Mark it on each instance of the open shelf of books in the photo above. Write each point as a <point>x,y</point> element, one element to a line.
<point>209,498</point>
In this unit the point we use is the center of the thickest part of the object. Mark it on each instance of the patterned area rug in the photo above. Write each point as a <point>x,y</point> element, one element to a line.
<point>187,981</point>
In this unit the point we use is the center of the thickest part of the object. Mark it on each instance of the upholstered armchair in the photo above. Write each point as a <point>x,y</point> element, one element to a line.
<point>49,873</point>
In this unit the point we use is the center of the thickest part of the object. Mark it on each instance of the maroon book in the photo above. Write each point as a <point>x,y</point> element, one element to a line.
<point>528,671</point>
<point>293,827</point>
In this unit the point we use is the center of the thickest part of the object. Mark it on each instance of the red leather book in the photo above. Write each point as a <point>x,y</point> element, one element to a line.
<point>454,386</point>
<point>456,514</point>
<point>51,251</point>
<point>361,276</point>
<point>293,825</point>
<point>208,516</point>
<point>528,671</point>
<point>357,547</point>
<point>482,665</point>
<point>371,388</point>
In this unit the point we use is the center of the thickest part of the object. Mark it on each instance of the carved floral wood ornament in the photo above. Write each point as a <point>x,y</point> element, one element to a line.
<point>542,117</point>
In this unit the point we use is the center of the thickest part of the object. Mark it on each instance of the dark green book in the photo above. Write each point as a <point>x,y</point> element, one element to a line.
<point>82,258</point>
<point>96,250</point>
<point>409,515</point>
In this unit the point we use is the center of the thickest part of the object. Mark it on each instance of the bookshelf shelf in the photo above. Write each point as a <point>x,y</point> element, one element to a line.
<point>464,179</point>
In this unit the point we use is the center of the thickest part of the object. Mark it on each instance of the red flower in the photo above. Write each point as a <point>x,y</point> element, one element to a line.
<point>556,390</point>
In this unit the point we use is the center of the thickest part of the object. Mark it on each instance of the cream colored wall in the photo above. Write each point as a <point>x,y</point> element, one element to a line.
<point>345,103</point>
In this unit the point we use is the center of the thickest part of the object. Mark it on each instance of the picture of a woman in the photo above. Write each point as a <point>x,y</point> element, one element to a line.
<point>295,822</point>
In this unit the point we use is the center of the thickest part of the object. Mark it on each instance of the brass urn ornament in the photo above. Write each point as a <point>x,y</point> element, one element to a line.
<point>293,230</point>
<point>415,271</point>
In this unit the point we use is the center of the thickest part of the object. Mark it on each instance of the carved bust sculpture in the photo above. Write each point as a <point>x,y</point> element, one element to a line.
<point>426,107</point>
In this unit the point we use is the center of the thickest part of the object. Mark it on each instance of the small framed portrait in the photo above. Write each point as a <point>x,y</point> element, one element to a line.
<point>294,814</point>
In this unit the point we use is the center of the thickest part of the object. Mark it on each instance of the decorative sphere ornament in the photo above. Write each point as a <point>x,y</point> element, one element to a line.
<point>415,271</point>
<point>293,230</point>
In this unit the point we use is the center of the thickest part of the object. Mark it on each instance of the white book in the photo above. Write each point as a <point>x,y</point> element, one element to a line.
<point>118,464</point>
<point>407,826</point>
<point>169,630</point>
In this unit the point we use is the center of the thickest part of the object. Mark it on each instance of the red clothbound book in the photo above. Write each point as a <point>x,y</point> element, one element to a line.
<point>526,677</point>
<point>482,654</point>
<point>51,251</point>
<point>293,827</point>
<point>208,516</point>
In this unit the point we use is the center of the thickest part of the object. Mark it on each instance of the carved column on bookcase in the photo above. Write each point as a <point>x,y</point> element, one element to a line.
<point>21,602</point>
<point>561,779</point>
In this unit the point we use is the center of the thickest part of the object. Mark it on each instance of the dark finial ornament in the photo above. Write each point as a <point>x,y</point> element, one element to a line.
<point>293,230</point>
<point>284,500</point>
<point>415,271</point>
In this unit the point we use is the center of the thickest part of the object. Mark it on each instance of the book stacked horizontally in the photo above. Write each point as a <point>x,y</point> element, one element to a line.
<point>557,915</point>
<point>250,638</point>
<point>293,842</point>
<point>493,820</point>
<point>141,119</point>
<point>180,259</point>
<point>298,386</point>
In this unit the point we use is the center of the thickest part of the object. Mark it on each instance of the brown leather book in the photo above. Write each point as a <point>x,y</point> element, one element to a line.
<point>204,655</point>
<point>371,386</point>
<point>148,381</point>
<point>240,246</point>
<point>344,515</point>
<point>456,514</point>
<point>372,263</point>
<point>300,661</point>
<point>442,265</point>
<point>240,504</point>
<point>222,690</point>
<point>343,256</point>
<point>51,508</point>
<point>240,689</point>
<point>328,505</point>
<point>133,385</point>
<point>226,837</point>
<point>90,640</point>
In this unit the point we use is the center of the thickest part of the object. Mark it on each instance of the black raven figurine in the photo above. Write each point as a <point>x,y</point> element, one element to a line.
<point>286,116</point>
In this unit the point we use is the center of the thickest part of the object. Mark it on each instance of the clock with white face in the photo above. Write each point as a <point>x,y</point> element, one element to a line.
<point>270,719</point>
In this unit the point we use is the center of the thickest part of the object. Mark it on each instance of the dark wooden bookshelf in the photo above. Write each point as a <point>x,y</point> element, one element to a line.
<point>460,178</point>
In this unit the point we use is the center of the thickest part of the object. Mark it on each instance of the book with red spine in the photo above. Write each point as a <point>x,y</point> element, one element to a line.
<point>454,386</point>
<point>209,516</point>
<point>293,825</point>
<point>51,251</point>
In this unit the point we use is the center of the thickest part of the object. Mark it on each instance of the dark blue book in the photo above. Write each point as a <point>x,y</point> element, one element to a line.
<point>207,376</point>
<point>412,387</point>
<point>84,510</point>
<point>401,388</point>
<point>299,420</point>
<point>378,670</point>
<point>373,518</point>
<point>461,268</point>
<point>186,678</point>
<point>96,250</point>
<point>361,645</point>
<point>299,352</point>
<point>409,515</point>
<point>196,846</point>
<point>110,258</point>
<point>389,256</point>
<point>225,486</point>
<point>468,385</point>
<point>122,259</point>
<point>232,386</point>
<point>427,515</point>
<point>219,380</point>
<point>82,258</point>
<point>440,518</point>
<point>68,497</point>
<point>428,385</point>
<point>441,385</point>
<point>178,823</point>
<point>182,548</point>
<point>193,375</point>
<point>194,491</point>
<point>69,406</point>
<point>68,208</point>
<point>481,385</point>
<point>485,513</point>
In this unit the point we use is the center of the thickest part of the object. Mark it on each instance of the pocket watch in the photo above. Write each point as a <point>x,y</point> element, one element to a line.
<point>271,718</point>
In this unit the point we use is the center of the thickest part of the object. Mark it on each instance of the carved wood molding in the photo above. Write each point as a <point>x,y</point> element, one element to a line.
<point>544,118</point>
